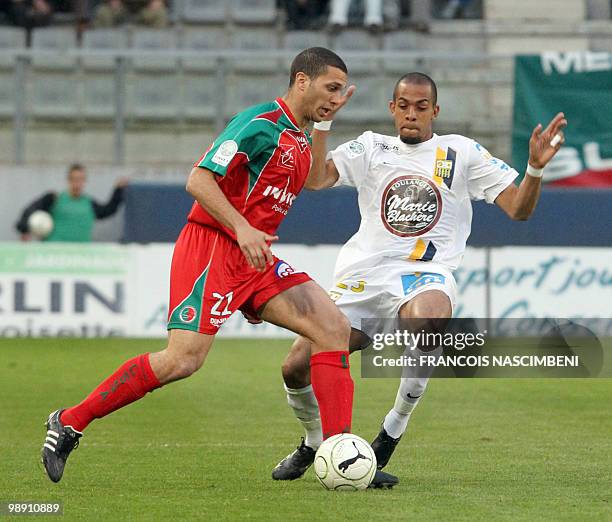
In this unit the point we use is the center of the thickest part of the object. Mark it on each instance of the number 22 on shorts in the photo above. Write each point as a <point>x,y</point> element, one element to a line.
<point>220,298</point>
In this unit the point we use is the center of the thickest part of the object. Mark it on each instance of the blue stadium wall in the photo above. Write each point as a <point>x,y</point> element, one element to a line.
<point>572,217</point>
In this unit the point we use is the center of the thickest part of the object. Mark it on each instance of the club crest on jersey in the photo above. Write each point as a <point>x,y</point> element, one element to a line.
<point>444,167</point>
<point>411,206</point>
<point>188,314</point>
<point>286,158</point>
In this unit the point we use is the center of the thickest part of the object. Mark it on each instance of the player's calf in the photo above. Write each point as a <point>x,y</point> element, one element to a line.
<point>296,366</point>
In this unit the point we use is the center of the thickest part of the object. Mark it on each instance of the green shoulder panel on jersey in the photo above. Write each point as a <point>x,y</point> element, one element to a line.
<point>244,134</point>
<point>308,137</point>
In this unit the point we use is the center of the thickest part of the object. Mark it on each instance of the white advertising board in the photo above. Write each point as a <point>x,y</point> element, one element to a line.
<point>101,290</point>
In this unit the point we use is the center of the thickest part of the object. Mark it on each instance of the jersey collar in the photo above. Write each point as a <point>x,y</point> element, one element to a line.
<point>408,147</point>
<point>287,112</point>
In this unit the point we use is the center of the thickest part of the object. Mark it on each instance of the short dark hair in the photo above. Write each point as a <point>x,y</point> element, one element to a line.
<point>75,166</point>
<point>313,62</point>
<point>419,79</point>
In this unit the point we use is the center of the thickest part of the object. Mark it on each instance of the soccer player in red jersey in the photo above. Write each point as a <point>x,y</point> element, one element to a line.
<point>244,186</point>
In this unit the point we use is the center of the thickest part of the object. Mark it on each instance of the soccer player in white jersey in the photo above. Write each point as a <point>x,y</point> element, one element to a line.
<point>415,191</point>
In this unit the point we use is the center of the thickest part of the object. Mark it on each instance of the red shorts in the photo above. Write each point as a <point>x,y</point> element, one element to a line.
<point>210,279</point>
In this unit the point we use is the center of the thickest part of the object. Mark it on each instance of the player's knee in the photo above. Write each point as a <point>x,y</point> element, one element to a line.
<point>335,331</point>
<point>181,367</point>
<point>434,306</point>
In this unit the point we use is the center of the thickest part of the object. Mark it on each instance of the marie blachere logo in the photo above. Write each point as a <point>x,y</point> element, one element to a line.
<point>411,206</point>
<point>226,151</point>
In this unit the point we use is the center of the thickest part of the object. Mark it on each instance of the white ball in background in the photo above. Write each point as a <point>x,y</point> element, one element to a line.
<point>40,224</point>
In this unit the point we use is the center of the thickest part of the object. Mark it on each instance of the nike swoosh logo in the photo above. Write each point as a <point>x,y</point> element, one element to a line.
<point>411,397</point>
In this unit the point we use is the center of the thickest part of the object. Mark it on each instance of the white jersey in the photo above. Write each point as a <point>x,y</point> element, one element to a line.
<point>414,200</point>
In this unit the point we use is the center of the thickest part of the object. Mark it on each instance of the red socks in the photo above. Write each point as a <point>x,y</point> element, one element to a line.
<point>333,387</point>
<point>329,374</point>
<point>130,382</point>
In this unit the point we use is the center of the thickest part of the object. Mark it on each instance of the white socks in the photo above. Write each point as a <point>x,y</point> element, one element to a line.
<point>306,409</point>
<point>408,396</point>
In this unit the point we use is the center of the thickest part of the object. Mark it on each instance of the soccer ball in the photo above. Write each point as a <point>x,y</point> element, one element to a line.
<point>345,461</point>
<point>40,224</point>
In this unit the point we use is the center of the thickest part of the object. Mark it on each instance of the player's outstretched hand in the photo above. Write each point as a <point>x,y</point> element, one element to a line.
<point>255,245</point>
<point>544,144</point>
<point>343,100</point>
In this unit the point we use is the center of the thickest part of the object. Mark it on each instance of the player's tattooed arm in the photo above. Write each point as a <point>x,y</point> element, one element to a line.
<point>520,202</point>
<point>254,243</point>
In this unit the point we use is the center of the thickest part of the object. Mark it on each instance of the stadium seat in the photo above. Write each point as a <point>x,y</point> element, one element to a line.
<point>254,11</point>
<point>11,38</point>
<point>299,40</point>
<point>99,95</point>
<point>255,39</point>
<point>204,38</point>
<point>155,40</point>
<point>103,39</point>
<point>56,39</point>
<point>357,40</point>
<point>200,97</point>
<point>53,94</point>
<point>369,103</point>
<point>461,103</point>
<point>245,90</point>
<point>398,42</point>
<point>206,11</point>
<point>152,96</point>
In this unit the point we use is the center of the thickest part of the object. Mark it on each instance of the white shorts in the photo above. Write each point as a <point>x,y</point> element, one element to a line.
<point>379,292</point>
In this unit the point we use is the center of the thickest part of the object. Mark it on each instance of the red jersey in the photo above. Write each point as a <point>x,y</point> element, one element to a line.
<point>262,160</point>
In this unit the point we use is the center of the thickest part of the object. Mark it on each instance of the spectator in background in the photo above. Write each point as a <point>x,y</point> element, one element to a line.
<point>454,9</point>
<point>152,13</point>
<point>73,212</point>
<point>29,13</point>
<point>373,20</point>
<point>304,14</point>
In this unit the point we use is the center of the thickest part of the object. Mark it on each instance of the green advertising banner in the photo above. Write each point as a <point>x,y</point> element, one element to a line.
<point>580,85</point>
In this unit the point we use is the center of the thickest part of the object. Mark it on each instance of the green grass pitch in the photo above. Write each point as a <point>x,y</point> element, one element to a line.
<point>204,448</point>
